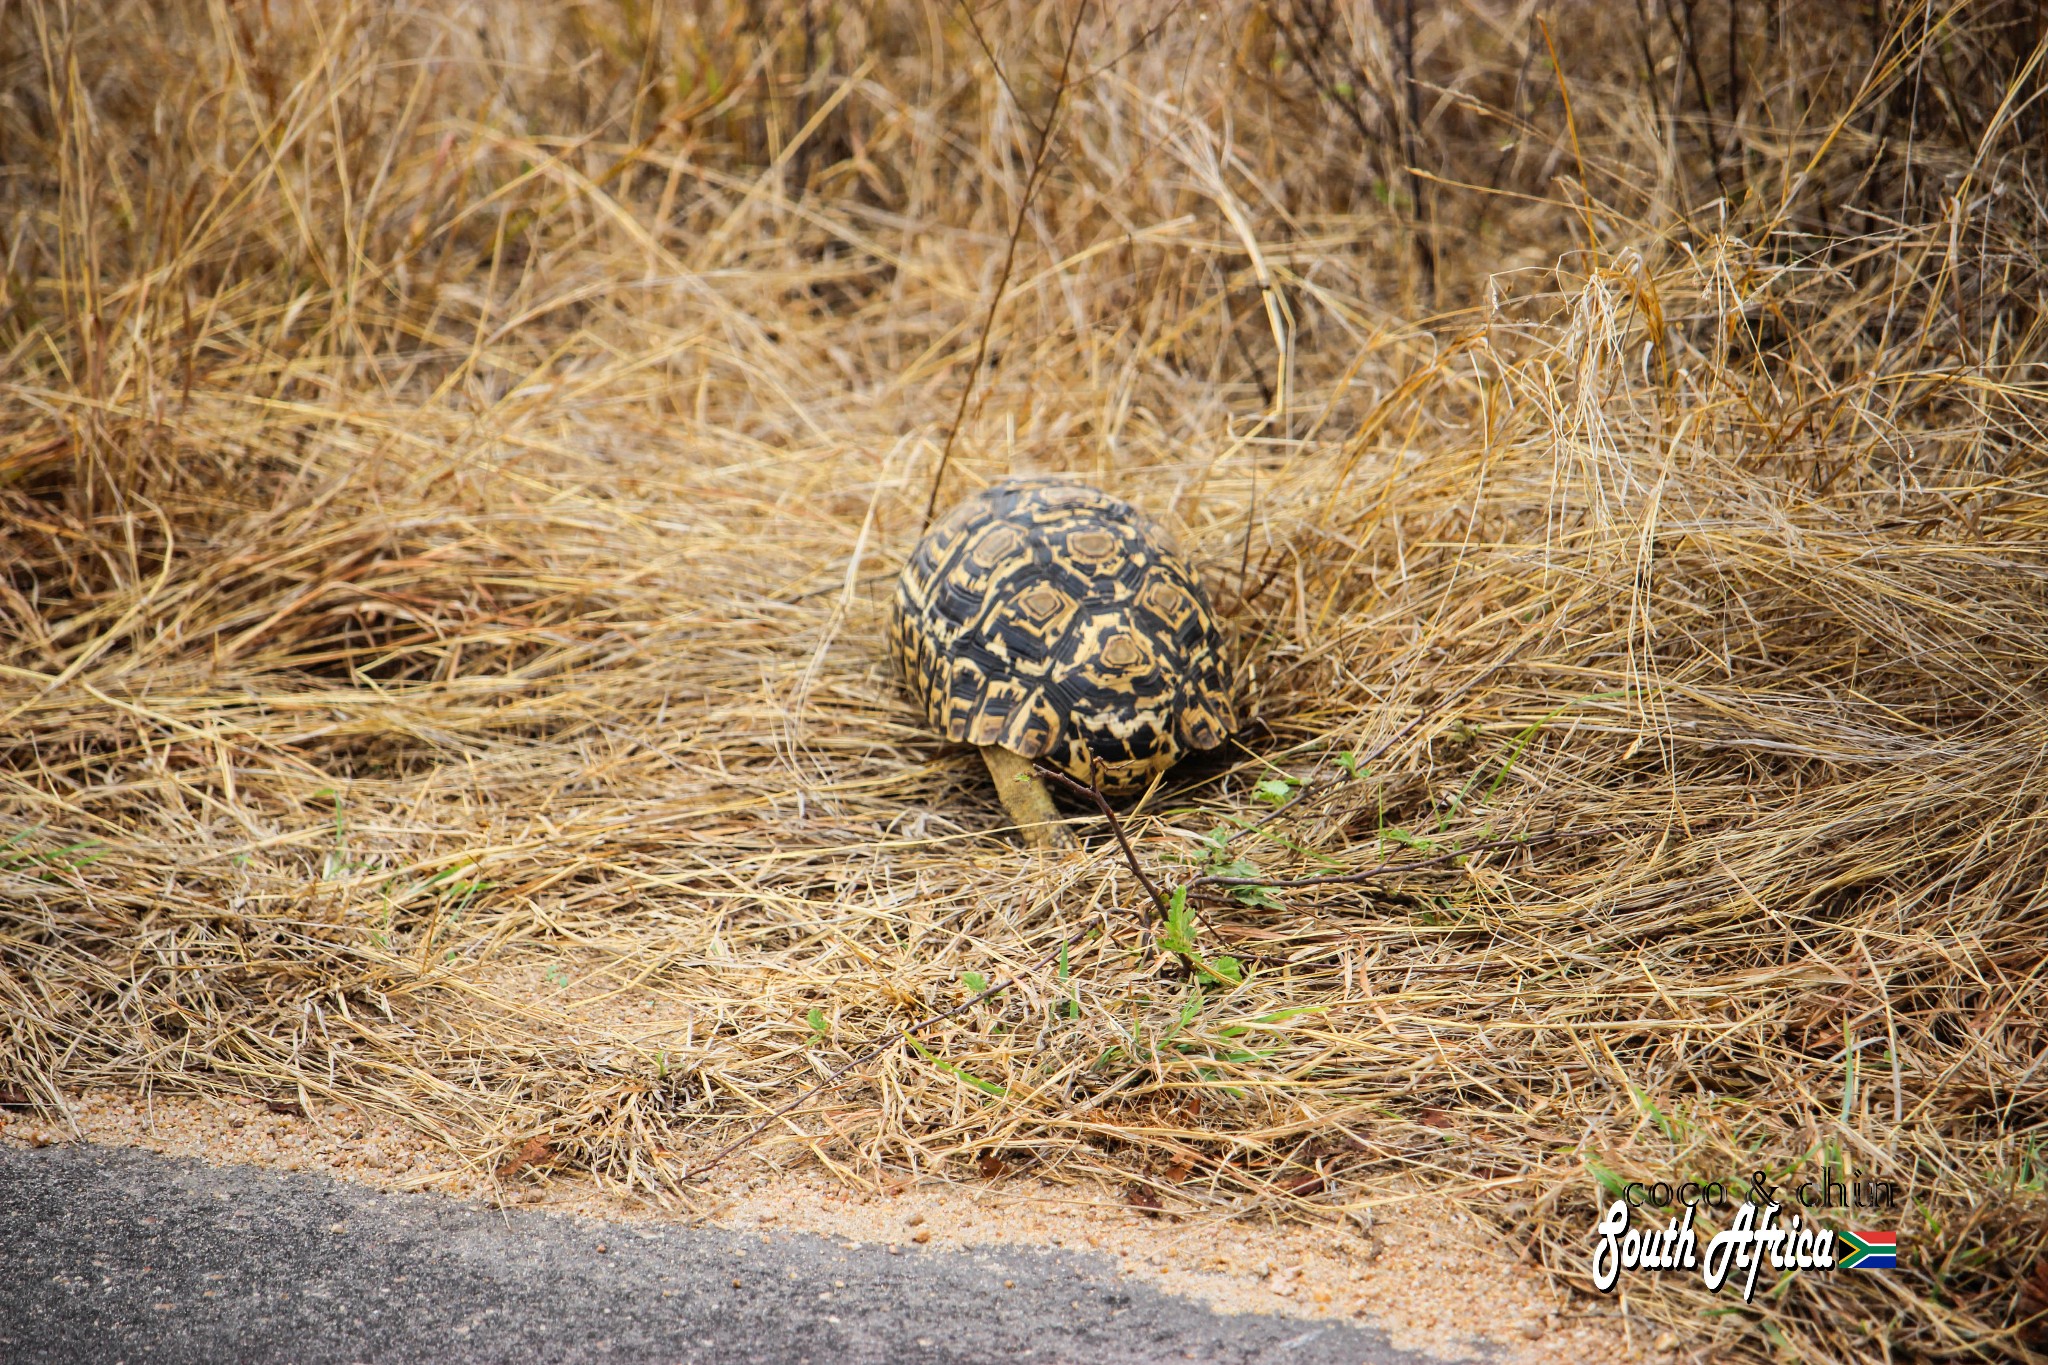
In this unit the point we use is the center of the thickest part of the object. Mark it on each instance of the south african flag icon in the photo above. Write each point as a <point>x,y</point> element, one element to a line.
<point>1867,1251</point>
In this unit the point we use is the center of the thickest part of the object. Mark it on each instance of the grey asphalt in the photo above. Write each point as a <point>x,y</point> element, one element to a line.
<point>110,1255</point>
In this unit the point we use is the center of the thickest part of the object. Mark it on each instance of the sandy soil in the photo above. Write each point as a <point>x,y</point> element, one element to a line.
<point>1424,1276</point>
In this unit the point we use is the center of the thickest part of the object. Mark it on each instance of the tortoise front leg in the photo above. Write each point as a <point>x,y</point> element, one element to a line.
<point>1027,799</point>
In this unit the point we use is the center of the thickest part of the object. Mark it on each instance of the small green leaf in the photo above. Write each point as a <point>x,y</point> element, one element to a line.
<point>1177,934</point>
<point>1274,791</point>
<point>1609,1181</point>
<point>1649,1106</point>
<point>816,1019</point>
<point>1256,897</point>
<point>975,982</point>
<point>960,1073</point>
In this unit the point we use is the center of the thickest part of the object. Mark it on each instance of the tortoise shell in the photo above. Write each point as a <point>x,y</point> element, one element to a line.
<point>1055,621</point>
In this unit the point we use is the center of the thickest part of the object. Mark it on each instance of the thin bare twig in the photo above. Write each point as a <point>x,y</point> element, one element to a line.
<point>995,301</point>
<point>1116,827</point>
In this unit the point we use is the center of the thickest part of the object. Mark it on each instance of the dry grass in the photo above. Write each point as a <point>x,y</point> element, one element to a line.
<point>453,460</point>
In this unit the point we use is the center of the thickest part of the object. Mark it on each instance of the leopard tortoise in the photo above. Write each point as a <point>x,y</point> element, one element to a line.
<point>1043,619</point>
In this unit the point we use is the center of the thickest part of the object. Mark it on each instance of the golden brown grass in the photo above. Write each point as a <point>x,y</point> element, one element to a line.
<point>454,457</point>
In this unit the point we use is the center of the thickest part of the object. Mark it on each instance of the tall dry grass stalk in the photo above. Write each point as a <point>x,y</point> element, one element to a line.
<point>453,457</point>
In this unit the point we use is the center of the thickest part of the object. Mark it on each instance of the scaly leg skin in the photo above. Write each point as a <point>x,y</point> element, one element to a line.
<point>1027,799</point>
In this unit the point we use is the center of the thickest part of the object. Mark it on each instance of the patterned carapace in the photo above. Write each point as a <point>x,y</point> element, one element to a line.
<point>1053,620</point>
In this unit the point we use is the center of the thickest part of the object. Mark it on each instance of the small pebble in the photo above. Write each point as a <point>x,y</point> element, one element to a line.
<point>921,1236</point>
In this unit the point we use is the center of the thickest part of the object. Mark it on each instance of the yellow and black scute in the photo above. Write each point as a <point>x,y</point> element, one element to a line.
<point>1052,620</point>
